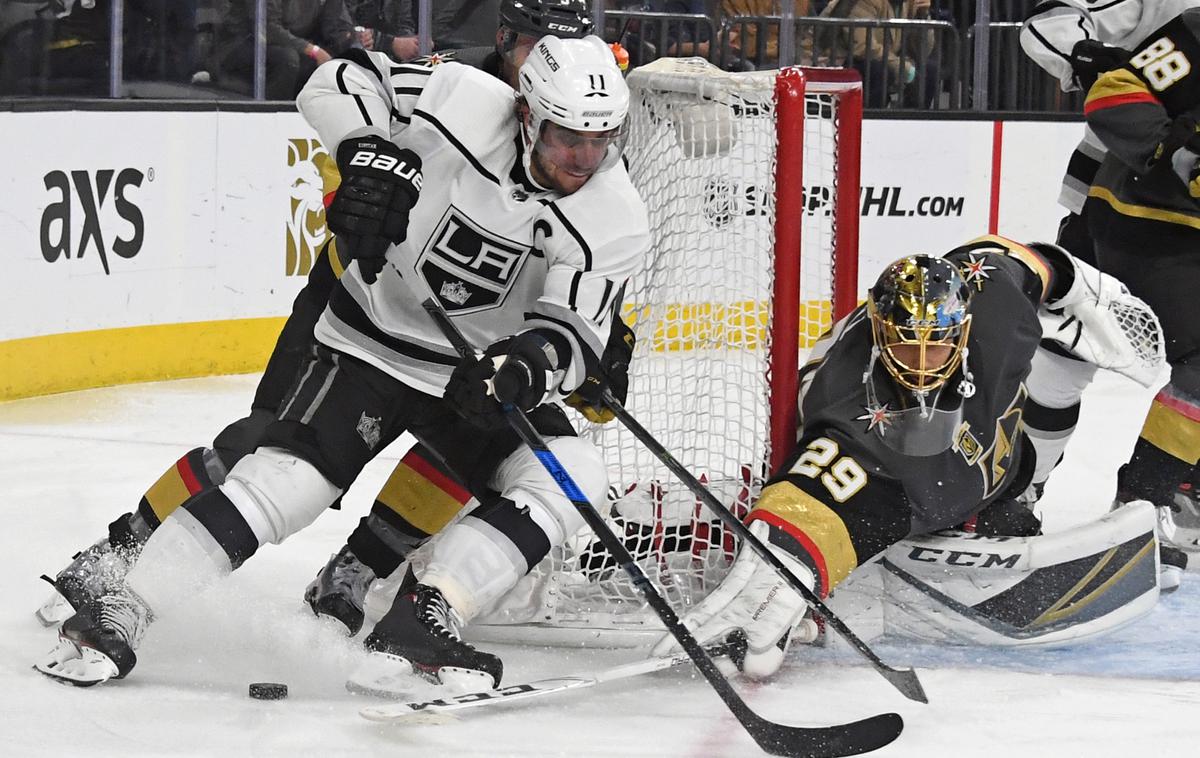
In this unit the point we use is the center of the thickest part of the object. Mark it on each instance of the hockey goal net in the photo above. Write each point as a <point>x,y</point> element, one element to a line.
<point>752,183</point>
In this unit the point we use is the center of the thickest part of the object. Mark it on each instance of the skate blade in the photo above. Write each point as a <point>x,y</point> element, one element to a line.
<point>55,610</point>
<point>332,622</point>
<point>72,663</point>
<point>416,718</point>
<point>387,676</point>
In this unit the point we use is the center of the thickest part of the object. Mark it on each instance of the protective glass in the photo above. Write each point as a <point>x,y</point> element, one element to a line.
<point>581,153</point>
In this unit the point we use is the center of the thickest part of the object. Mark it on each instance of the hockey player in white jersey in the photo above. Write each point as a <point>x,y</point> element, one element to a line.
<point>517,216</point>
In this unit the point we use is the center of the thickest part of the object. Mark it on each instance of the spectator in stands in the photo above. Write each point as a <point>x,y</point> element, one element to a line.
<point>647,39</point>
<point>891,61</point>
<point>54,48</point>
<point>301,35</point>
<point>464,23</point>
<point>745,43</point>
<point>386,26</point>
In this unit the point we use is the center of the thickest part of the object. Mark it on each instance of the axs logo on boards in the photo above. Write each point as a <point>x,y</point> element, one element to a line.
<point>93,210</point>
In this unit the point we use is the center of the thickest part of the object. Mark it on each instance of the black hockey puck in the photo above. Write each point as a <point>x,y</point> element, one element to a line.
<point>268,691</point>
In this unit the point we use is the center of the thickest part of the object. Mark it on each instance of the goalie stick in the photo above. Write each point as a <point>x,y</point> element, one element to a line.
<point>418,712</point>
<point>778,739</point>
<point>904,680</point>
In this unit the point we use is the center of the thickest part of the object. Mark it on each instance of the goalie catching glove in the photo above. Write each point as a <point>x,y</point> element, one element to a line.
<point>369,212</point>
<point>1099,321</point>
<point>755,601</point>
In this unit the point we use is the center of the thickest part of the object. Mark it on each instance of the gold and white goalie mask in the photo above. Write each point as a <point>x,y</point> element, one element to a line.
<point>919,326</point>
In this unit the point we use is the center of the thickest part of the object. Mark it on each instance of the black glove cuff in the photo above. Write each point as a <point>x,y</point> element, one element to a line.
<point>1060,262</point>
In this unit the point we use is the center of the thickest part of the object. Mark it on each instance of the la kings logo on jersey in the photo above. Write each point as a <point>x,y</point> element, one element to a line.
<point>469,268</point>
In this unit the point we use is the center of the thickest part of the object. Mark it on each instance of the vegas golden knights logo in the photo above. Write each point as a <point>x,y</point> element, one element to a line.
<point>312,174</point>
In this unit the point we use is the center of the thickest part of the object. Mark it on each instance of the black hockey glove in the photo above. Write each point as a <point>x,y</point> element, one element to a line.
<point>1090,58</point>
<point>1181,151</point>
<point>369,212</point>
<point>526,377</point>
<point>517,370</point>
<point>613,373</point>
<point>469,391</point>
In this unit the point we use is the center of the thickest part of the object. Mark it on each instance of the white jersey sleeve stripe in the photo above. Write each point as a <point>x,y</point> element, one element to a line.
<point>324,101</point>
<point>608,287</point>
<point>362,107</point>
<point>569,323</point>
<point>583,245</point>
<point>457,144</point>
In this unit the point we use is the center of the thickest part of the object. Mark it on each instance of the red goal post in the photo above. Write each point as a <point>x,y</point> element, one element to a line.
<point>792,86</point>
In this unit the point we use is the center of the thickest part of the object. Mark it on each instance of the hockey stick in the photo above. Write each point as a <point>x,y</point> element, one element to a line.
<point>778,739</point>
<point>417,712</point>
<point>904,680</point>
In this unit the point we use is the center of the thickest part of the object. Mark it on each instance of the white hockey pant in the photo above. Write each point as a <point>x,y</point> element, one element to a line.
<point>475,561</point>
<point>1056,384</point>
<point>275,493</point>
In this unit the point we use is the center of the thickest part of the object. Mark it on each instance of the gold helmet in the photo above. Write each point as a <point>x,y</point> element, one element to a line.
<point>919,321</point>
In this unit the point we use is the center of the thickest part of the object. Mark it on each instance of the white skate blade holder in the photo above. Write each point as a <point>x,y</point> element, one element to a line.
<point>77,665</point>
<point>394,677</point>
<point>55,610</point>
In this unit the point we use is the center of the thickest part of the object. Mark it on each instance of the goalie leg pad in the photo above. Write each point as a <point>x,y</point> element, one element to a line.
<point>1013,591</point>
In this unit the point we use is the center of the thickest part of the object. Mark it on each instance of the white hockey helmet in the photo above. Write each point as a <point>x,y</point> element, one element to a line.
<point>575,84</point>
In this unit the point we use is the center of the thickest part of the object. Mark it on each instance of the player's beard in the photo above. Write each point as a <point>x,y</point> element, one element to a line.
<point>556,177</point>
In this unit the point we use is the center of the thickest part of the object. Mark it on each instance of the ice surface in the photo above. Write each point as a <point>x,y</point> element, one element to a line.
<point>71,463</point>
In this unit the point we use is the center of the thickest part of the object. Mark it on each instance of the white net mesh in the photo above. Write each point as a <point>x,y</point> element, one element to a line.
<point>702,153</point>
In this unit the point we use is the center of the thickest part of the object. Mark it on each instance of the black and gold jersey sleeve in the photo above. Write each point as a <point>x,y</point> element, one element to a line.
<point>1131,108</point>
<point>831,511</point>
<point>990,257</point>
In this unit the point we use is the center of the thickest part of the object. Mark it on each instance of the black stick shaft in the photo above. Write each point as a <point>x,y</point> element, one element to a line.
<point>905,681</point>
<point>777,739</point>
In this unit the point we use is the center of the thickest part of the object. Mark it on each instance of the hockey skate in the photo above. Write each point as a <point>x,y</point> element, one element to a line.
<point>96,570</point>
<point>97,643</point>
<point>420,636</point>
<point>1185,515</point>
<point>339,589</point>
<point>1179,537</point>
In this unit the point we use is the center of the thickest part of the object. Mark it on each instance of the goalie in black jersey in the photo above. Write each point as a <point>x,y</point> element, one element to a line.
<point>911,422</point>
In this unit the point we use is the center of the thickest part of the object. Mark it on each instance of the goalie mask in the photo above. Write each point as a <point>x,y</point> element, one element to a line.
<point>919,327</point>
<point>577,102</point>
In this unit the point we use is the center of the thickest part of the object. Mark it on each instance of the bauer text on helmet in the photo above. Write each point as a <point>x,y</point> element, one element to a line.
<point>574,106</point>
